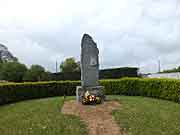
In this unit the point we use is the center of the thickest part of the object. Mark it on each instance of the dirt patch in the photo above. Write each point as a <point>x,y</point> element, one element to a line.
<point>97,117</point>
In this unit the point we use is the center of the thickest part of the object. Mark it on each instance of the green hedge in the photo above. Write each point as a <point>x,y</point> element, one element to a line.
<point>12,92</point>
<point>158,88</point>
<point>168,89</point>
<point>103,74</point>
<point>115,73</point>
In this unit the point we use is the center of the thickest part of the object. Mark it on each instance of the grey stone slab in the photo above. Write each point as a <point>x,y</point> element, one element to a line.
<point>89,62</point>
<point>89,69</point>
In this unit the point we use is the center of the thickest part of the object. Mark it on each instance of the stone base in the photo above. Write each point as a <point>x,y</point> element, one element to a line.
<point>97,91</point>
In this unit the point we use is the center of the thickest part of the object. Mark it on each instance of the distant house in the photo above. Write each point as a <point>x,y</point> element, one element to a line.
<point>175,75</point>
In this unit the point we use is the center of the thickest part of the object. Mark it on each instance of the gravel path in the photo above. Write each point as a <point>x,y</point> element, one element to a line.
<point>97,117</point>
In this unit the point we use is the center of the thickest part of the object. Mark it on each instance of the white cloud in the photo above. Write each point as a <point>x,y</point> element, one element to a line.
<point>128,32</point>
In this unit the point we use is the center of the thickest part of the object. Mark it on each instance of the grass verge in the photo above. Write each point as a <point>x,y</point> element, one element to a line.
<point>138,115</point>
<point>39,117</point>
<point>147,116</point>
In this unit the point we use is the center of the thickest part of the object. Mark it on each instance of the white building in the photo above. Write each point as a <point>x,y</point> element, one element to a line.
<point>165,75</point>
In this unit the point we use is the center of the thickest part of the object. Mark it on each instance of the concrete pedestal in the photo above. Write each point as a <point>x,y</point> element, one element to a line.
<point>97,91</point>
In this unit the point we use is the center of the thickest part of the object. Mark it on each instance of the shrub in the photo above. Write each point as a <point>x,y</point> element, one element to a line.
<point>103,74</point>
<point>158,88</point>
<point>168,89</point>
<point>11,92</point>
<point>118,72</point>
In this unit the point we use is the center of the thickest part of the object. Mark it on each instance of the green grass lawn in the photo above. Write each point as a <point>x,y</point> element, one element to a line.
<point>140,116</point>
<point>38,117</point>
<point>147,116</point>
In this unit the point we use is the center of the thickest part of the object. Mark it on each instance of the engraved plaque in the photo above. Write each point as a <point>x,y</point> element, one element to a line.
<point>93,61</point>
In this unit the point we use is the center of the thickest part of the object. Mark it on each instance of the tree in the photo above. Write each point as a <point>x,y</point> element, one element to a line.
<point>46,76</point>
<point>35,73</point>
<point>12,71</point>
<point>70,65</point>
<point>1,61</point>
<point>15,59</point>
<point>173,70</point>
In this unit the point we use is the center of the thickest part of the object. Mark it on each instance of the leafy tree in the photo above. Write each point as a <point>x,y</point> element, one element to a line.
<point>173,70</point>
<point>1,78</point>
<point>15,59</point>
<point>46,76</point>
<point>12,71</point>
<point>36,73</point>
<point>70,65</point>
<point>1,61</point>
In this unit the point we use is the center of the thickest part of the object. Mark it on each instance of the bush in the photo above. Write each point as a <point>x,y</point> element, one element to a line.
<point>103,74</point>
<point>168,89</point>
<point>12,92</point>
<point>118,73</point>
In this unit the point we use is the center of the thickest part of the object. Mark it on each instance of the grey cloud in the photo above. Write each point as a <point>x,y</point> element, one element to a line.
<point>128,33</point>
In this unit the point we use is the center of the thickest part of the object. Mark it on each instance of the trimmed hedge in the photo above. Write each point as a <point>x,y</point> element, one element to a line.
<point>113,73</point>
<point>12,92</point>
<point>168,89</point>
<point>116,73</point>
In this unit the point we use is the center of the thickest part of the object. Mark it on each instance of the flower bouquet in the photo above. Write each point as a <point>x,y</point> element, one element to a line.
<point>89,99</point>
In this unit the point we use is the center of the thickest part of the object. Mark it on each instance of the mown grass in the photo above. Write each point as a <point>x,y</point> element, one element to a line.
<point>147,116</point>
<point>137,115</point>
<point>39,117</point>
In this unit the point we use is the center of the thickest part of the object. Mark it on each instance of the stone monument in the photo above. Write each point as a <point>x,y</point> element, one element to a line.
<point>89,69</point>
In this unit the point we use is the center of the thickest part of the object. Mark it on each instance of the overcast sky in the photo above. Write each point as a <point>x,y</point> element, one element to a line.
<point>127,32</point>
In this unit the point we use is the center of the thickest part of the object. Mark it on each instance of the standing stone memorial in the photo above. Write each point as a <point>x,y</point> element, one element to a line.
<point>89,69</point>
